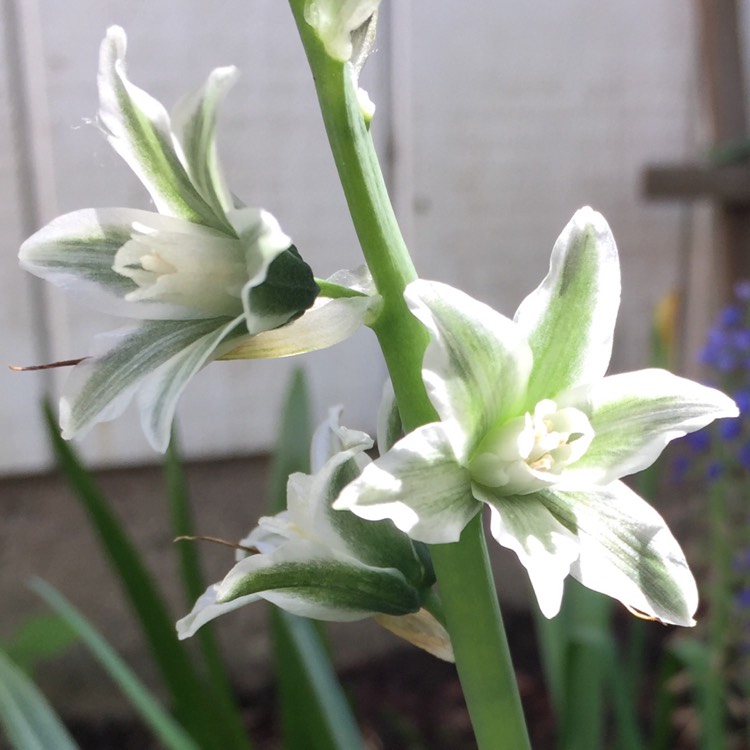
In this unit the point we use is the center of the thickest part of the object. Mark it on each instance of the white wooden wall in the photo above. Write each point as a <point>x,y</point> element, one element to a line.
<point>495,121</point>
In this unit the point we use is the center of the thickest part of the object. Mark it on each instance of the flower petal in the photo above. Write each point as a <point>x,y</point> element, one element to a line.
<point>81,250</point>
<point>330,438</point>
<point>138,128</point>
<point>389,427</point>
<point>99,388</point>
<point>570,318</point>
<point>418,485</point>
<point>545,547</point>
<point>76,252</point>
<point>422,630</point>
<point>627,551</point>
<point>208,608</point>
<point>310,501</point>
<point>194,122</point>
<point>476,366</point>
<point>303,580</point>
<point>327,322</point>
<point>634,415</point>
<point>160,391</point>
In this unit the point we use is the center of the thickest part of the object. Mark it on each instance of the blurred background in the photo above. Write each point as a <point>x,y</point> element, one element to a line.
<point>493,125</point>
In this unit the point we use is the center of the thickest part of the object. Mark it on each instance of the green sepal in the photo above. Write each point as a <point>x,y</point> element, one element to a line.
<point>289,287</point>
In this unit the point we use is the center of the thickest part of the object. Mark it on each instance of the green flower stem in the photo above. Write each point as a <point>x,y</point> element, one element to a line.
<point>480,646</point>
<point>466,585</point>
<point>335,291</point>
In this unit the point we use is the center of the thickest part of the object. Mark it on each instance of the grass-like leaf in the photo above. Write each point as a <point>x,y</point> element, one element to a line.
<point>25,715</point>
<point>169,732</point>
<point>221,696</point>
<point>187,689</point>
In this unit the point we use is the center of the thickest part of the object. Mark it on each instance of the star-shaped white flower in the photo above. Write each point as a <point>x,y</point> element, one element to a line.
<point>531,427</point>
<point>204,277</point>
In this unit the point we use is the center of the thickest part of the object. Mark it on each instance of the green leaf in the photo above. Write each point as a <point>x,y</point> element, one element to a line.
<point>37,639</point>
<point>293,446</point>
<point>169,732</point>
<point>28,720</point>
<point>708,692</point>
<point>157,624</point>
<point>222,699</point>
<point>314,711</point>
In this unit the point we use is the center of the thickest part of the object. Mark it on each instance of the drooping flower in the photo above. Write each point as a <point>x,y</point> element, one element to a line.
<point>531,427</point>
<point>202,277</point>
<point>315,562</point>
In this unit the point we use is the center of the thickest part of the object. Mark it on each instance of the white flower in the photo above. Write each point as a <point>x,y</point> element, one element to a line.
<point>531,427</point>
<point>314,562</point>
<point>202,277</point>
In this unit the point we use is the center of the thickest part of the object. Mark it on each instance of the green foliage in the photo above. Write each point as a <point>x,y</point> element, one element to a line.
<point>25,716</point>
<point>38,639</point>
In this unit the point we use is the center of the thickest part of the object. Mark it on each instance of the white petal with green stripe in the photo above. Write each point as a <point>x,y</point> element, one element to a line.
<point>476,365</point>
<point>545,547</point>
<point>99,388</point>
<point>139,129</point>
<point>627,551</point>
<point>634,415</point>
<point>569,319</point>
<point>418,485</point>
<point>194,122</point>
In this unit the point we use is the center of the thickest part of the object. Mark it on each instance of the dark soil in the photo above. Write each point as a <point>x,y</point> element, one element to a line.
<point>406,701</point>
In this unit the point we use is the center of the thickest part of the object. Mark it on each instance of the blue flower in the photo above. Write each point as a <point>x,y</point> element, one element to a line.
<point>730,429</point>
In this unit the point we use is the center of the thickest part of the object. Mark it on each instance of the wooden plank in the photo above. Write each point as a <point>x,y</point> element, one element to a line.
<point>730,185</point>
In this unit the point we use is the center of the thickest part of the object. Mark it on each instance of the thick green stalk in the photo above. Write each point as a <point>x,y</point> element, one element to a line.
<point>466,586</point>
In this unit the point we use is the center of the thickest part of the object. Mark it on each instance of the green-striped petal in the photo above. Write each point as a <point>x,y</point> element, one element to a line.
<point>194,122</point>
<point>545,547</point>
<point>419,485</point>
<point>627,551</point>
<point>304,580</point>
<point>570,318</point>
<point>476,365</point>
<point>139,129</point>
<point>634,415</point>
<point>99,388</point>
<point>327,322</point>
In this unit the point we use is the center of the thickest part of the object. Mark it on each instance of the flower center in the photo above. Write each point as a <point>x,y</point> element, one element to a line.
<point>531,451</point>
<point>200,270</point>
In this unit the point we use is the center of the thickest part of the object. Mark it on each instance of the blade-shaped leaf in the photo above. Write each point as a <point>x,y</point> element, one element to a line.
<point>27,719</point>
<point>221,697</point>
<point>185,686</point>
<point>169,732</point>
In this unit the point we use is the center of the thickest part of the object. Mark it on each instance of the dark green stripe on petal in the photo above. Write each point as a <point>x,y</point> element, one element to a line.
<point>329,583</point>
<point>570,318</point>
<point>99,388</point>
<point>139,130</point>
<point>626,551</point>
